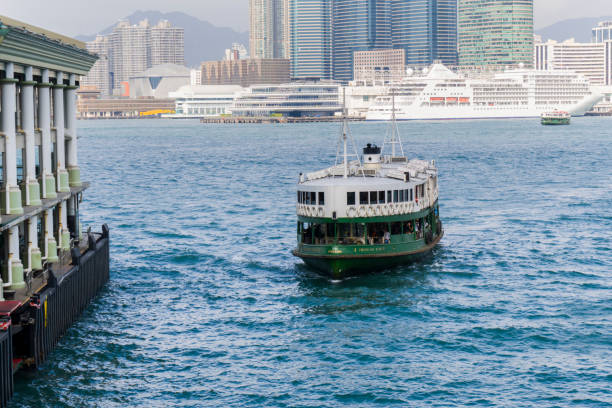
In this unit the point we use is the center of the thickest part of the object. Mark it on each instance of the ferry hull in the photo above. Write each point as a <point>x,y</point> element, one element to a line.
<point>343,266</point>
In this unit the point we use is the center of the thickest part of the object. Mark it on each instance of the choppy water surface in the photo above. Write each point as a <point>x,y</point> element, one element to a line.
<point>207,307</point>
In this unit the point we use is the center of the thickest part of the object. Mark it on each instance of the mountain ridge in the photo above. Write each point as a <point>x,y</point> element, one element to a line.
<point>578,28</point>
<point>203,40</point>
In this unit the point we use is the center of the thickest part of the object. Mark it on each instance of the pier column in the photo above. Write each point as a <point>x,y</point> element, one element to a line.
<point>10,195</point>
<point>50,242</point>
<point>64,233</point>
<point>58,120</point>
<point>34,256</point>
<point>74,173</point>
<point>14,263</point>
<point>31,187</point>
<point>47,181</point>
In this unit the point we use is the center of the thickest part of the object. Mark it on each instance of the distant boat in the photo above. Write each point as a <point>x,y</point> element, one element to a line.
<point>556,117</point>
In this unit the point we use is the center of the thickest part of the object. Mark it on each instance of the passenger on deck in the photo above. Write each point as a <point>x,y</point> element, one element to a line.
<point>387,237</point>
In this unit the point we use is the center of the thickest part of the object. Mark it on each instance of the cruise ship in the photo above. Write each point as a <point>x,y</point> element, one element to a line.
<point>439,93</point>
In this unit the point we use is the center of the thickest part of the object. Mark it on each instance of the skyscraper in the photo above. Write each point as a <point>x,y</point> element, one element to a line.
<point>494,33</point>
<point>167,44</point>
<point>426,30</point>
<point>99,75</point>
<point>357,25</point>
<point>130,50</point>
<point>310,38</point>
<point>268,34</point>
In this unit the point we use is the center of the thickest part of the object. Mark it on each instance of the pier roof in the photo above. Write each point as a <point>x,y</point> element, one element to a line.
<point>26,44</point>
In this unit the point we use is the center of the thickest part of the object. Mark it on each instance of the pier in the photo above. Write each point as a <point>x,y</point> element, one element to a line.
<point>50,268</point>
<point>275,119</point>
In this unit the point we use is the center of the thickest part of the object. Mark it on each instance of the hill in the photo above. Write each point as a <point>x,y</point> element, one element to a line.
<point>203,40</point>
<point>578,28</point>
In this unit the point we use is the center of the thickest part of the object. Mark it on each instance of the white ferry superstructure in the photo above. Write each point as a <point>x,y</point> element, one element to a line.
<point>442,94</point>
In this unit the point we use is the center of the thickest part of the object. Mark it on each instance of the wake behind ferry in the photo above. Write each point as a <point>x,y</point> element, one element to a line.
<point>439,93</point>
<point>367,214</point>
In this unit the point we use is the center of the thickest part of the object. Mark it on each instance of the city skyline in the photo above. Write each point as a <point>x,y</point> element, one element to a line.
<point>233,14</point>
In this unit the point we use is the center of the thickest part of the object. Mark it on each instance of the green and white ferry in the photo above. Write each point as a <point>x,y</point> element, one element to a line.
<point>556,117</point>
<point>367,214</point>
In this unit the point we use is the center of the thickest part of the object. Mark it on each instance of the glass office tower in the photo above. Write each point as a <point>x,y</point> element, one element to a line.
<point>426,29</point>
<point>495,33</point>
<point>310,33</point>
<point>357,25</point>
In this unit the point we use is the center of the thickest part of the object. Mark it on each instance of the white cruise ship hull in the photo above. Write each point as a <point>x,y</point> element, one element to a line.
<point>481,112</point>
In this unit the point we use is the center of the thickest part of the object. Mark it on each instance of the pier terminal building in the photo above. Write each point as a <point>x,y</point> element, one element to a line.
<point>50,267</point>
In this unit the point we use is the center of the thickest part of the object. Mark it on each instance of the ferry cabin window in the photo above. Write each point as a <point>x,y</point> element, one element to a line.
<point>313,198</point>
<point>363,197</point>
<point>395,196</point>
<point>389,195</point>
<point>350,198</point>
<point>411,197</point>
<point>407,195</point>
<point>401,194</point>
<point>307,201</point>
<point>381,197</point>
<point>299,197</point>
<point>321,198</point>
<point>373,197</point>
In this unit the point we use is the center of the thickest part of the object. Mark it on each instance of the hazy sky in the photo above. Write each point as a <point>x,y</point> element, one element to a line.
<point>73,17</point>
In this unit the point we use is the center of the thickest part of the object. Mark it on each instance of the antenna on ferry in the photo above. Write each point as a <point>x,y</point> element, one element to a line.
<point>344,139</point>
<point>395,137</point>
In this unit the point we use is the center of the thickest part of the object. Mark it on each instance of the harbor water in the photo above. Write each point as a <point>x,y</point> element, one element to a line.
<point>207,307</point>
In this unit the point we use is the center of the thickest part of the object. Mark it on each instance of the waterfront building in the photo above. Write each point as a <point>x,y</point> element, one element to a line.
<point>99,75</point>
<point>495,34</point>
<point>426,30</point>
<point>310,39</point>
<point>593,60</point>
<point>203,101</point>
<point>50,268</point>
<point>379,66</point>
<point>159,81</point>
<point>603,32</point>
<point>167,44</point>
<point>269,29</point>
<point>296,99</point>
<point>90,107</point>
<point>245,72</point>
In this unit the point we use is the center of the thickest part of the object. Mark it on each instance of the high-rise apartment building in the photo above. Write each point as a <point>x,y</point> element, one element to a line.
<point>426,30</point>
<point>167,44</point>
<point>99,75</point>
<point>130,50</point>
<point>593,60</point>
<point>495,33</point>
<point>310,38</point>
<point>269,28</point>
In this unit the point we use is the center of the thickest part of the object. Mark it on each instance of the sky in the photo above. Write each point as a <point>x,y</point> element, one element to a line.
<point>74,17</point>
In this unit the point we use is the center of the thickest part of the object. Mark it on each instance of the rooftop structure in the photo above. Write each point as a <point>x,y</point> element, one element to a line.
<point>603,32</point>
<point>159,81</point>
